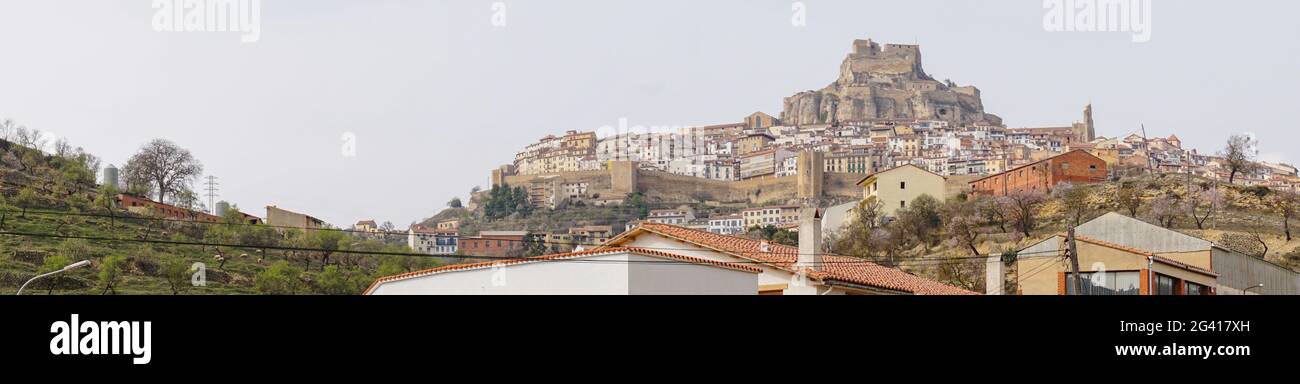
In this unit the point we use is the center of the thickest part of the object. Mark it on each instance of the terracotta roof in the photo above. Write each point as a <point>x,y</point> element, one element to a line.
<point>837,268</point>
<point>559,257</point>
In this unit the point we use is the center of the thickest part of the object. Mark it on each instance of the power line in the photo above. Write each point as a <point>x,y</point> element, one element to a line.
<point>405,254</point>
<point>212,193</point>
<point>525,241</point>
<point>1040,269</point>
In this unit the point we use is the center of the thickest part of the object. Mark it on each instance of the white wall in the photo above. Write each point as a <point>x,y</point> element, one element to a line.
<point>770,276</point>
<point>597,275</point>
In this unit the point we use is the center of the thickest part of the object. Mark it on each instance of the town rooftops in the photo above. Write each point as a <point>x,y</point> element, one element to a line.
<point>837,268</point>
<point>559,258</point>
<point>503,233</point>
<point>431,230</point>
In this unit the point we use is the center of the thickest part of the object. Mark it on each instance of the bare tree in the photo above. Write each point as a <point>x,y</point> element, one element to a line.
<point>1239,156</point>
<point>1166,210</point>
<point>992,212</point>
<point>166,167</point>
<point>964,225</point>
<point>1204,203</point>
<point>1022,209</point>
<point>1286,204</point>
<point>1250,241</point>
<point>62,148</point>
<point>1074,199</point>
<point>1129,198</point>
<point>7,129</point>
<point>30,138</point>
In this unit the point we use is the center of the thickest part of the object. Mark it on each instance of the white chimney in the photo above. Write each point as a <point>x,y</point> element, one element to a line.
<point>810,238</point>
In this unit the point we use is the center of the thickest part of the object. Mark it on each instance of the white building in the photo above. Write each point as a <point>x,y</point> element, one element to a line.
<point>804,270</point>
<point>671,216</point>
<point>727,225</point>
<point>610,271</point>
<point>432,241</point>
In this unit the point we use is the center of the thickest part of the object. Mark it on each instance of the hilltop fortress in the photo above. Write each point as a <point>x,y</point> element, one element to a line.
<point>886,84</point>
<point>882,112</point>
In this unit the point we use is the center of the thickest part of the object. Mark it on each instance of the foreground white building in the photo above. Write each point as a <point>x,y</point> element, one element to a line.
<point>611,271</point>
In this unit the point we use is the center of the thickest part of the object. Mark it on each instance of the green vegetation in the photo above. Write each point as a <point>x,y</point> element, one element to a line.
<point>64,217</point>
<point>503,201</point>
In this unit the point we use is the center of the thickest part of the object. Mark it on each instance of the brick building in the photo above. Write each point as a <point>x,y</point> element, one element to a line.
<point>1078,167</point>
<point>494,244</point>
<point>142,206</point>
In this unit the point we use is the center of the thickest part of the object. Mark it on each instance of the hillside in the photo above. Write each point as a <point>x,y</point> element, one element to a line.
<point>52,214</point>
<point>1245,219</point>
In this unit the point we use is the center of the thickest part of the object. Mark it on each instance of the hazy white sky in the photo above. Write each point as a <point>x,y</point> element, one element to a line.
<point>436,95</point>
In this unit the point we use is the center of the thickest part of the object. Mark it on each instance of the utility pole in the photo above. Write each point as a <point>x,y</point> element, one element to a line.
<point>1074,262</point>
<point>1146,148</point>
<point>212,194</point>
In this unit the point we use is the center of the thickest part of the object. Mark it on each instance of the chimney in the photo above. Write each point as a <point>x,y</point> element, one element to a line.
<point>810,238</point>
<point>995,279</point>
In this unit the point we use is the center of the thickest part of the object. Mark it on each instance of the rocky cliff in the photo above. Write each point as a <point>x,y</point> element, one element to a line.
<point>886,83</point>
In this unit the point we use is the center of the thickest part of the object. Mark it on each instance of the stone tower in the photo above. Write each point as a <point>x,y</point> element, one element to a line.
<point>811,169</point>
<point>1087,130</point>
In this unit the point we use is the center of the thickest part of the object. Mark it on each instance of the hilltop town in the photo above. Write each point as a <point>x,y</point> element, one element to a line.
<point>907,176</point>
<point>883,112</point>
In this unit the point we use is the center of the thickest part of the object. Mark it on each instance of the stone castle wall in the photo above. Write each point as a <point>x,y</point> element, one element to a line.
<point>619,179</point>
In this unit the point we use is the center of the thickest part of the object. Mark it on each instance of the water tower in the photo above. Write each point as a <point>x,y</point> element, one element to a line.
<point>111,177</point>
<point>222,207</point>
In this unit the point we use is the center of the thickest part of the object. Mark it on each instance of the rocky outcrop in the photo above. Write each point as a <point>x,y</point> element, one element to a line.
<point>886,83</point>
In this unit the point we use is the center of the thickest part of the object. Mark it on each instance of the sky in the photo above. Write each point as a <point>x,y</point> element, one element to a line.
<point>432,95</point>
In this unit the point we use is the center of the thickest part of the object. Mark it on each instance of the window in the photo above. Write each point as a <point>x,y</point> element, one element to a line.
<point>902,185</point>
<point>1165,285</point>
<point>902,204</point>
<point>1108,284</point>
<point>1093,167</point>
<point>1193,289</point>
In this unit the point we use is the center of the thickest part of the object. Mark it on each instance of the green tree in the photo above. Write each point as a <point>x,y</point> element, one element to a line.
<point>328,241</point>
<point>389,267</point>
<point>774,235</point>
<point>110,273</point>
<point>332,281</point>
<point>26,199</point>
<point>280,279</point>
<point>856,239</point>
<point>455,203</point>
<point>53,263</point>
<point>920,219</point>
<point>636,201</point>
<point>176,271</point>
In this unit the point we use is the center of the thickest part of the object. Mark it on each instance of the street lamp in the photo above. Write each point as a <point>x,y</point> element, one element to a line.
<point>70,267</point>
<point>1247,290</point>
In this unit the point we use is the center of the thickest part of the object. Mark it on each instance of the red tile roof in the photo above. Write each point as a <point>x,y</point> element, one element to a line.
<point>560,257</point>
<point>837,268</point>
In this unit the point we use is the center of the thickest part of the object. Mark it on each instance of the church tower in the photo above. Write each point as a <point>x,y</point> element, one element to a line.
<point>1086,131</point>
